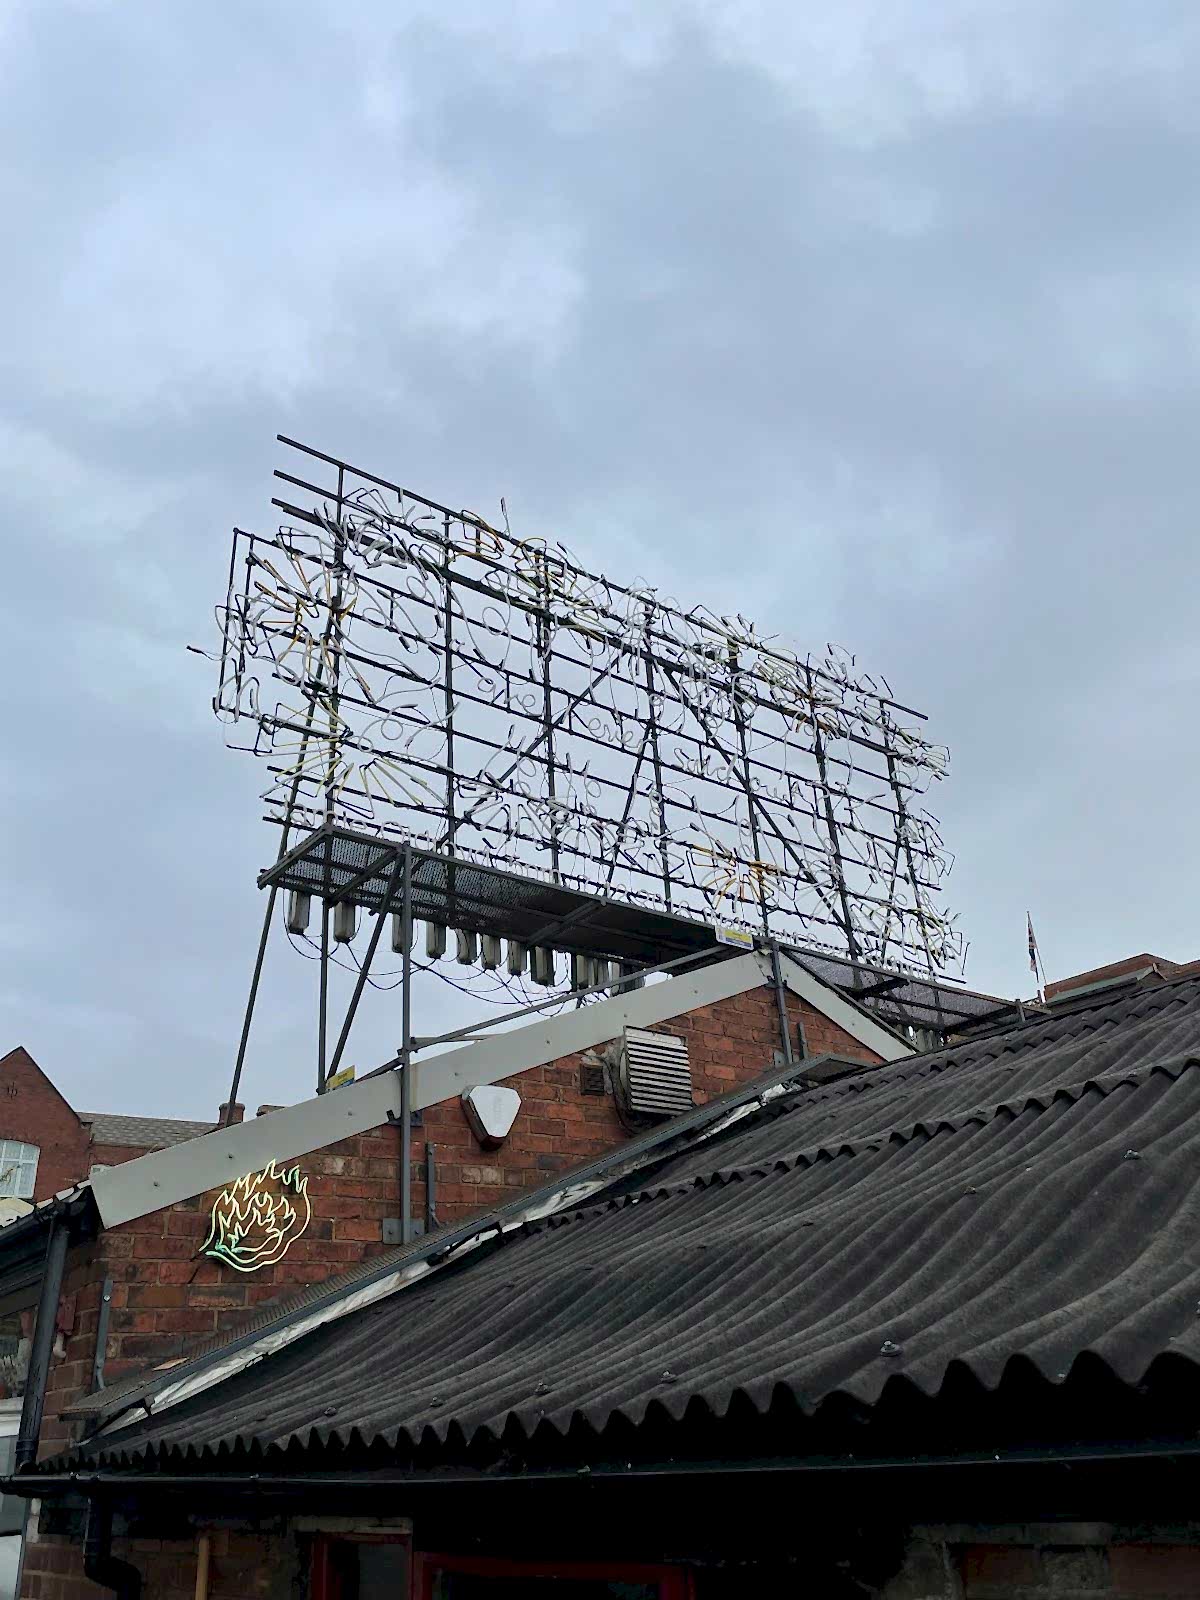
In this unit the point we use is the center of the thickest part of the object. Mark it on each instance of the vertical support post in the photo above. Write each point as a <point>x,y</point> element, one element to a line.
<point>406,1053</point>
<point>314,692</point>
<point>333,644</point>
<point>448,685</point>
<point>544,637</point>
<point>747,779</point>
<point>904,842</point>
<point>364,970</point>
<point>333,649</point>
<point>323,1010</point>
<point>785,1027</point>
<point>831,824</point>
<point>652,724</point>
<point>431,1217</point>
<point>34,1403</point>
<point>244,1041</point>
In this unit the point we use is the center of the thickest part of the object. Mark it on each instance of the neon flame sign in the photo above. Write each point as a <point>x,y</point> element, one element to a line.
<point>256,1220</point>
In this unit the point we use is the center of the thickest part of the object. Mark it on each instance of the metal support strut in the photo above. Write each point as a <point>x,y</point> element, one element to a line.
<point>406,1232</point>
<point>785,1027</point>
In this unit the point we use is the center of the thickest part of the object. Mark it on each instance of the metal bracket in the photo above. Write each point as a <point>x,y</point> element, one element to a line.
<point>106,1293</point>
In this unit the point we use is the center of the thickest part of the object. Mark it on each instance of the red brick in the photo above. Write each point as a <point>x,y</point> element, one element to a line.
<point>997,1569</point>
<point>1159,1569</point>
<point>351,1228</point>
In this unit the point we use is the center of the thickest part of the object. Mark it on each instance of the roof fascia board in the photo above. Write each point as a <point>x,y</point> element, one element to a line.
<point>163,1177</point>
<point>505,1055</point>
<point>850,1018</point>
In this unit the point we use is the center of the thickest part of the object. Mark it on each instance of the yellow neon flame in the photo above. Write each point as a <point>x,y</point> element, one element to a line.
<point>254,1224</point>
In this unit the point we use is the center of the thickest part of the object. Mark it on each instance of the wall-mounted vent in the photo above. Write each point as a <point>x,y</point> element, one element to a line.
<point>654,1073</point>
<point>591,1078</point>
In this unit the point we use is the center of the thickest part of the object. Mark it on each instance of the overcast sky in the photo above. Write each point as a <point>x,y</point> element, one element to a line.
<point>877,322</point>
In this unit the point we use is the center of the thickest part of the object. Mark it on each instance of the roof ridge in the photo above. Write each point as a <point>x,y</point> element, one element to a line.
<point>951,1055</point>
<point>953,1122</point>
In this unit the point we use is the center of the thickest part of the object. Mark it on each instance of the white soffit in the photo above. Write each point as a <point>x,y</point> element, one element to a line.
<point>159,1179</point>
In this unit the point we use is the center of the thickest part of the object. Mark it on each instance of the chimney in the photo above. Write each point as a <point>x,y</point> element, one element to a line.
<point>229,1113</point>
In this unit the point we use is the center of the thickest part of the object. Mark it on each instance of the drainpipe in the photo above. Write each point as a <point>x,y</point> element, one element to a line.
<point>34,1402</point>
<point>99,1563</point>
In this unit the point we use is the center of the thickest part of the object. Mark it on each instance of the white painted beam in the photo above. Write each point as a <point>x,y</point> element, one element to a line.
<point>437,1078</point>
<point>135,1188</point>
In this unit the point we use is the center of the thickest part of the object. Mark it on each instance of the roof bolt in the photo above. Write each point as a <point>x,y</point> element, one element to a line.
<point>889,1348</point>
<point>1132,1155</point>
<point>972,1190</point>
<point>542,1388</point>
<point>331,1411</point>
<point>669,1377</point>
<point>436,1401</point>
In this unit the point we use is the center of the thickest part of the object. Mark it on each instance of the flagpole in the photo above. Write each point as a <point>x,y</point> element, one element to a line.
<point>1035,959</point>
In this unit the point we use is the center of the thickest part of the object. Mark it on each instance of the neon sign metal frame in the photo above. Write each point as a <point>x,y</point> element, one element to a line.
<point>414,672</point>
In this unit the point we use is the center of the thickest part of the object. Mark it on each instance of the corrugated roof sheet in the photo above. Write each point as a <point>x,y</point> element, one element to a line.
<point>1036,1194</point>
<point>149,1133</point>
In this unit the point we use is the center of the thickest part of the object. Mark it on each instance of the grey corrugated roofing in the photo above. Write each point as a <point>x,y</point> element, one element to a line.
<point>150,1133</point>
<point>1035,1195</point>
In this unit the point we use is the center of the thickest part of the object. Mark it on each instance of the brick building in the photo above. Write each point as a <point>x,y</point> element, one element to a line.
<point>47,1146</point>
<point>918,1328</point>
<point>139,1271</point>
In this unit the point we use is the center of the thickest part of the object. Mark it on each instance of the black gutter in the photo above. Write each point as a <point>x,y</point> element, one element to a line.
<point>39,1486</point>
<point>34,1403</point>
<point>99,1563</point>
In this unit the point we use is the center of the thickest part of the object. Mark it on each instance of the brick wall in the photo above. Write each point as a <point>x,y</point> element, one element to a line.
<point>244,1564</point>
<point>270,1561</point>
<point>559,1127</point>
<point>33,1112</point>
<point>166,1294</point>
<point>1063,1561</point>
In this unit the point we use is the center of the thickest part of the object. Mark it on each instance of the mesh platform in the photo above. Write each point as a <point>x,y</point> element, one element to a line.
<point>465,894</point>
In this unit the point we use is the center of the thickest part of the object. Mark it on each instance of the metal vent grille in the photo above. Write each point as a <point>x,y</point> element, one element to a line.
<point>656,1076</point>
<point>591,1078</point>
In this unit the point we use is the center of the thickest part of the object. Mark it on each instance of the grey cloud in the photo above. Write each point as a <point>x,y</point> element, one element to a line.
<point>883,332</point>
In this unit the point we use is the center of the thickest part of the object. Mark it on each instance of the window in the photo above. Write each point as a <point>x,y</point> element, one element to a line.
<point>359,1567</point>
<point>18,1169</point>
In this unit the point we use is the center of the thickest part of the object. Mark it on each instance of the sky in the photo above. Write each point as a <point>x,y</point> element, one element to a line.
<point>877,323</point>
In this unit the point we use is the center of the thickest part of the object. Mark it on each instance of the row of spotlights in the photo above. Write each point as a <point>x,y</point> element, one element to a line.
<point>485,950</point>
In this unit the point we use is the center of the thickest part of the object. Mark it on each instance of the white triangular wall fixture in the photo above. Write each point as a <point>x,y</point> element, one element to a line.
<point>491,1110</point>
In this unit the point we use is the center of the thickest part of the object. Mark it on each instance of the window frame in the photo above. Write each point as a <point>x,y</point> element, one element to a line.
<point>325,1582</point>
<point>19,1163</point>
<point>674,1583</point>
